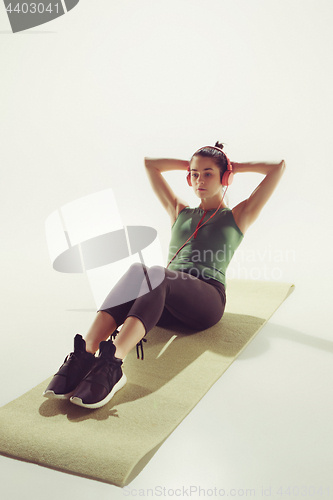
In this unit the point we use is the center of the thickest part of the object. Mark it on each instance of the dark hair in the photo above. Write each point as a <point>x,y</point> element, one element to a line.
<point>218,157</point>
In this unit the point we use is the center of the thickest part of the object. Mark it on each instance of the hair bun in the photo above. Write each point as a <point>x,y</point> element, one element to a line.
<point>219,145</point>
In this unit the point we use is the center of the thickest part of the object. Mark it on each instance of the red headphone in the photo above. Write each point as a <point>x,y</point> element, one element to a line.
<point>228,175</point>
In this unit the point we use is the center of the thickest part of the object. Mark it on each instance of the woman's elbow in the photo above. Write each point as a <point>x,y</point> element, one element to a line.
<point>147,161</point>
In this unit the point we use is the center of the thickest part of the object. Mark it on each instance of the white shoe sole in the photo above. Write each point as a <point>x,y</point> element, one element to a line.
<point>119,385</point>
<point>51,395</point>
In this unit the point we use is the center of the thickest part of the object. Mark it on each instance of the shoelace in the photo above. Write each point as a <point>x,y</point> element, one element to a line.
<point>114,334</point>
<point>139,345</point>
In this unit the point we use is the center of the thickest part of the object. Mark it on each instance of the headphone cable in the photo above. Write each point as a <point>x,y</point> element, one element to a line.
<point>198,227</point>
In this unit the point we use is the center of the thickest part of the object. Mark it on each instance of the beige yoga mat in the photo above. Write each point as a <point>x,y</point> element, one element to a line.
<point>114,443</point>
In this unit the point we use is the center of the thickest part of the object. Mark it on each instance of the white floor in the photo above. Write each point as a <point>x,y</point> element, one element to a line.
<point>266,424</point>
<point>83,100</point>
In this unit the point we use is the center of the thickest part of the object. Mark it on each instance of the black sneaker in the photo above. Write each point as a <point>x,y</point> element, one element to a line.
<point>104,380</point>
<point>75,367</point>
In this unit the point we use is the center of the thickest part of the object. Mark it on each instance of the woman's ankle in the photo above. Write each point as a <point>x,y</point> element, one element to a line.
<point>90,347</point>
<point>119,353</point>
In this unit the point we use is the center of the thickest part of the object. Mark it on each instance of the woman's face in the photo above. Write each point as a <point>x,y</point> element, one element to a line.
<point>205,177</point>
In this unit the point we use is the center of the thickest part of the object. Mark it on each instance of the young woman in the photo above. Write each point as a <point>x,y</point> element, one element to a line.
<point>191,290</point>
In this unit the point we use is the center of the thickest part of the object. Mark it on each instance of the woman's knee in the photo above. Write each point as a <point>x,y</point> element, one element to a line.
<point>137,272</point>
<point>137,267</point>
<point>156,275</point>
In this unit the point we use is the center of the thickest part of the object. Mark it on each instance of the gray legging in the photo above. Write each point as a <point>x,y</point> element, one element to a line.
<point>162,296</point>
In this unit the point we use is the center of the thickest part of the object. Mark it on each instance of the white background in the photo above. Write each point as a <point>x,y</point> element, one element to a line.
<point>82,100</point>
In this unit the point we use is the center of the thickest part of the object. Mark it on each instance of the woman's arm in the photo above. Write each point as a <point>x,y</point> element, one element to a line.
<point>172,203</point>
<point>246,212</point>
<point>259,168</point>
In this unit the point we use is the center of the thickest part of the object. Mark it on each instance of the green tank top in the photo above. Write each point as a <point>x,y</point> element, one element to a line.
<point>209,252</point>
